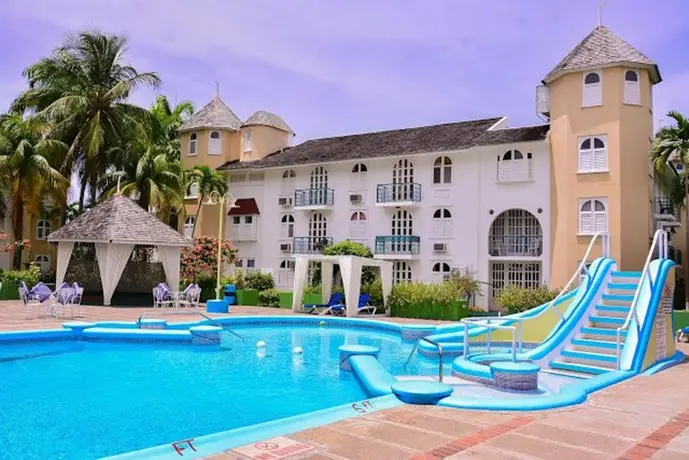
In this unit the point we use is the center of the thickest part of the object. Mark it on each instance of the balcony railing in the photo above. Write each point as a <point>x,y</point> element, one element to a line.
<point>314,197</point>
<point>515,246</point>
<point>664,206</point>
<point>515,170</point>
<point>397,245</point>
<point>310,244</point>
<point>398,193</point>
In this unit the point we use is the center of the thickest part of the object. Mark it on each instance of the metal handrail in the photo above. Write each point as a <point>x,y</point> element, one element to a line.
<point>182,312</point>
<point>440,355</point>
<point>490,326</point>
<point>659,239</point>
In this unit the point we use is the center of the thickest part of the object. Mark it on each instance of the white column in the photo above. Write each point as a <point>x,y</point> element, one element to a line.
<point>112,258</point>
<point>170,258</point>
<point>386,281</point>
<point>351,279</point>
<point>64,253</point>
<point>326,280</point>
<point>301,266</point>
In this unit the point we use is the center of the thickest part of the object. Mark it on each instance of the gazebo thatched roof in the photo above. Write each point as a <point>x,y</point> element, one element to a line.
<point>119,220</point>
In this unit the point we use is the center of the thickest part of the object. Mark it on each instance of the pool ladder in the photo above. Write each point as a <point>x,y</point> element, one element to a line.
<point>440,355</point>
<point>182,312</point>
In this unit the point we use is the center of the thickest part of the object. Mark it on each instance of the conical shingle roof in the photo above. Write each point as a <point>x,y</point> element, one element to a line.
<point>602,48</point>
<point>215,114</point>
<point>119,220</point>
<point>263,118</point>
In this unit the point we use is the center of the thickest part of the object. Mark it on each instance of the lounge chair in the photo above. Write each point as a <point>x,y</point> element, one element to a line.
<point>341,309</point>
<point>335,299</point>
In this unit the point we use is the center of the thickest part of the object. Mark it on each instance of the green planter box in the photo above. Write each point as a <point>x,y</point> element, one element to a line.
<point>452,312</point>
<point>680,319</point>
<point>248,297</point>
<point>286,299</point>
<point>9,291</point>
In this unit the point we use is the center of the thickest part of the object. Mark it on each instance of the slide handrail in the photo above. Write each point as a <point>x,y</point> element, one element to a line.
<point>490,326</point>
<point>605,240</point>
<point>661,241</point>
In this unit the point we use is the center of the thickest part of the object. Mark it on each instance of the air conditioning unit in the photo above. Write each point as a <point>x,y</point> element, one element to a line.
<point>286,247</point>
<point>439,247</point>
<point>285,201</point>
<point>459,271</point>
<point>356,199</point>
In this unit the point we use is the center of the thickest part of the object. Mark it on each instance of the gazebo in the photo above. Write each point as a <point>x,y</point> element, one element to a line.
<point>350,268</point>
<point>115,226</point>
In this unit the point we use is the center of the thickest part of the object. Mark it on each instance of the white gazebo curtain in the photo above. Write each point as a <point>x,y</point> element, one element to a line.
<point>112,258</point>
<point>64,254</point>
<point>170,258</point>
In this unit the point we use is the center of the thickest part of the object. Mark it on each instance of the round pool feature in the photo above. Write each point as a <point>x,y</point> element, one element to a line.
<point>217,306</point>
<point>421,391</point>
<point>77,326</point>
<point>205,335</point>
<point>353,350</point>
<point>322,324</point>
<point>519,376</point>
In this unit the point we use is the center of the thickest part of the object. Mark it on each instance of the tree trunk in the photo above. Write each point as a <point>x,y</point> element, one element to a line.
<point>686,244</point>
<point>196,217</point>
<point>82,195</point>
<point>18,228</point>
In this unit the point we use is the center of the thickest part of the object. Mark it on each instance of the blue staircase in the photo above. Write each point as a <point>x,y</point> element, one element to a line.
<point>593,351</point>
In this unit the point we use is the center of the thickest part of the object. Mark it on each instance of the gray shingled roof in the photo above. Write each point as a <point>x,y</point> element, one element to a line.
<point>118,219</point>
<point>215,114</point>
<point>263,118</point>
<point>437,138</point>
<point>602,48</point>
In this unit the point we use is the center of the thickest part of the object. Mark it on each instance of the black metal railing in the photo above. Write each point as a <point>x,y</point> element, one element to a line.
<point>398,193</point>
<point>310,244</point>
<point>391,245</point>
<point>314,197</point>
<point>515,246</point>
<point>665,206</point>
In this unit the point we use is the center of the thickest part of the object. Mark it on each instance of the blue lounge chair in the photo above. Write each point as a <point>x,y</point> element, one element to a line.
<point>341,309</point>
<point>335,299</point>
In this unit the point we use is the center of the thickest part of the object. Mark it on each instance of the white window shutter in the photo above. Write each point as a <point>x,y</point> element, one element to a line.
<point>585,224</point>
<point>284,233</point>
<point>600,221</point>
<point>447,228</point>
<point>585,160</point>
<point>504,170</point>
<point>631,92</point>
<point>437,228</point>
<point>599,160</point>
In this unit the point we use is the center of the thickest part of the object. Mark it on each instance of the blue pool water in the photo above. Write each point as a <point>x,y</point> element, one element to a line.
<point>74,400</point>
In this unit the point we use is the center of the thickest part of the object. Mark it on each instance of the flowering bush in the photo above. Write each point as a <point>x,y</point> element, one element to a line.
<point>17,245</point>
<point>202,258</point>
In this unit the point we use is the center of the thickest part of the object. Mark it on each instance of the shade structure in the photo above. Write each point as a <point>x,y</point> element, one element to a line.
<point>115,226</point>
<point>350,268</point>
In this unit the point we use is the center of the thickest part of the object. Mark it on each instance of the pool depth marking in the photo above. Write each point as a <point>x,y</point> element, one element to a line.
<point>273,449</point>
<point>365,406</point>
<point>179,446</point>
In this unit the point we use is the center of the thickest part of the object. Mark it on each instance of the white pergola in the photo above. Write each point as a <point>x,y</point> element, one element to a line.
<point>115,226</point>
<point>350,268</point>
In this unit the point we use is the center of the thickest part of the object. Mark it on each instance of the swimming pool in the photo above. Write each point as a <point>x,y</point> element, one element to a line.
<point>77,399</point>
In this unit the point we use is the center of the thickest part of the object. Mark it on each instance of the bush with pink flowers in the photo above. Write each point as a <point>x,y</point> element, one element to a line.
<point>202,258</point>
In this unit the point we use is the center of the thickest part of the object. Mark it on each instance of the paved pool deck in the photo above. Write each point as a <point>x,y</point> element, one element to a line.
<point>645,417</point>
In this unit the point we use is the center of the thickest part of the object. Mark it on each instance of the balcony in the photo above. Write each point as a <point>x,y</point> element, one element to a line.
<point>395,195</point>
<point>665,210</point>
<point>314,199</point>
<point>397,247</point>
<point>515,246</point>
<point>310,244</point>
<point>519,170</point>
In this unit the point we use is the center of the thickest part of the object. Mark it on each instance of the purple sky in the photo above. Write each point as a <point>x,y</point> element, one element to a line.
<point>333,67</point>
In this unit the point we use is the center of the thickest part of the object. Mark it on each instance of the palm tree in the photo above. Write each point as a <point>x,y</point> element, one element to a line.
<point>170,119</point>
<point>207,180</point>
<point>671,144</point>
<point>82,89</point>
<point>27,156</point>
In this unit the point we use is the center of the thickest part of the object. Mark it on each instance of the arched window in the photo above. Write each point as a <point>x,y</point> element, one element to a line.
<point>631,87</point>
<point>402,231</point>
<point>514,167</point>
<point>214,147</point>
<point>288,178</point>
<point>358,178</point>
<point>442,170</point>
<point>403,181</point>
<point>515,233</point>
<point>318,232</point>
<point>248,141</point>
<point>593,154</point>
<point>592,94</point>
<point>192,144</point>
<point>593,216</point>
<point>442,223</point>
<point>288,174</point>
<point>286,272</point>
<point>401,272</point>
<point>43,229</point>
<point>287,226</point>
<point>42,261</point>
<point>359,168</point>
<point>441,271</point>
<point>189,226</point>
<point>319,178</point>
<point>357,226</point>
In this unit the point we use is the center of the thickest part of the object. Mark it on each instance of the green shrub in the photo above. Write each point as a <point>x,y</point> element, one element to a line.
<point>259,281</point>
<point>207,285</point>
<point>269,298</point>
<point>15,277</point>
<point>348,248</point>
<point>314,289</point>
<point>240,281</point>
<point>428,301</point>
<point>515,299</point>
<point>375,290</point>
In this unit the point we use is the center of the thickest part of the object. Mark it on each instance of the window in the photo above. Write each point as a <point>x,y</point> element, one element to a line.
<point>593,216</point>
<point>442,170</point>
<point>631,87</point>
<point>251,263</point>
<point>189,226</point>
<point>593,154</point>
<point>515,233</point>
<point>286,272</point>
<point>43,228</point>
<point>522,274</point>
<point>403,181</point>
<point>243,228</point>
<point>214,147</point>
<point>514,167</point>
<point>249,220</point>
<point>257,176</point>
<point>402,229</point>
<point>236,220</point>
<point>287,226</point>
<point>359,177</point>
<point>441,271</point>
<point>593,93</point>
<point>248,144</point>
<point>192,144</point>
<point>238,177</point>
<point>319,178</point>
<point>288,178</point>
<point>401,272</point>
<point>442,223</point>
<point>193,191</point>
<point>43,262</point>
<point>357,226</point>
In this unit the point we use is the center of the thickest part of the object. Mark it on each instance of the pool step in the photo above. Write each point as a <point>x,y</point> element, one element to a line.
<point>565,373</point>
<point>578,367</point>
<point>602,358</point>
<point>628,276</point>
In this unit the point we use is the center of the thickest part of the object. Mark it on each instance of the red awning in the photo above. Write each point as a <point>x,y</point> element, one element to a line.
<point>244,207</point>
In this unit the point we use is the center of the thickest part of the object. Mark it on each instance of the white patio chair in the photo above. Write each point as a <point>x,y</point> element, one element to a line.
<point>192,297</point>
<point>31,305</point>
